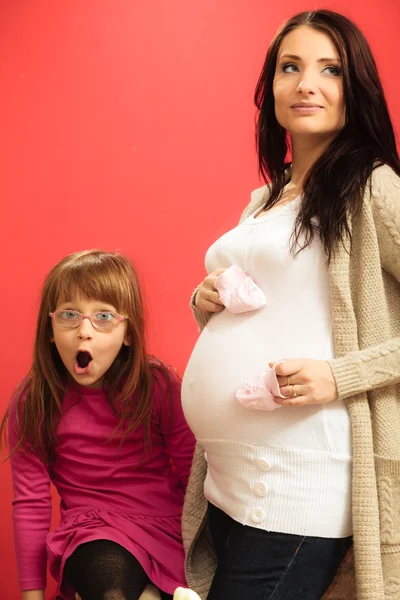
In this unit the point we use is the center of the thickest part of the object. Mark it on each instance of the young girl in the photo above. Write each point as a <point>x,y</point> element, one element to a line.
<point>103,422</point>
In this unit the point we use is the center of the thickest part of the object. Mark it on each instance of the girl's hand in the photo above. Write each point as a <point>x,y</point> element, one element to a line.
<point>207,298</point>
<point>305,381</point>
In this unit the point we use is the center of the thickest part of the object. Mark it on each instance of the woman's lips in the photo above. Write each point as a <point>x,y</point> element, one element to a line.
<point>306,109</point>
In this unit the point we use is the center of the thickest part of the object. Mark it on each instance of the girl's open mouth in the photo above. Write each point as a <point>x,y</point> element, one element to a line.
<point>83,362</point>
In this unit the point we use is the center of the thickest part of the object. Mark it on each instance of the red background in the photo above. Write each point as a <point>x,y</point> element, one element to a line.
<point>129,125</point>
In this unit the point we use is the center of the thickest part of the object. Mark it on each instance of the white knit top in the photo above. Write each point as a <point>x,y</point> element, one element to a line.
<point>287,470</point>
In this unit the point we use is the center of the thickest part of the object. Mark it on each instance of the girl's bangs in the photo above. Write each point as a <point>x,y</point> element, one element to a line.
<point>93,282</point>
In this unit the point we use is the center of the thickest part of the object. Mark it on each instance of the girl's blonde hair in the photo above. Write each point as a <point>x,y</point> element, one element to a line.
<point>111,278</point>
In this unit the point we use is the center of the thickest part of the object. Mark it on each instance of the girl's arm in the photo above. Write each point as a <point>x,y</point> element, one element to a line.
<point>31,514</point>
<point>179,438</point>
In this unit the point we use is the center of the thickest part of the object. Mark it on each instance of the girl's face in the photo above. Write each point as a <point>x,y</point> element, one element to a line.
<point>101,346</point>
<point>308,85</point>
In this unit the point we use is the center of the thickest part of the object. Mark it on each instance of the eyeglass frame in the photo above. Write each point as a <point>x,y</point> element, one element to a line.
<point>82,316</point>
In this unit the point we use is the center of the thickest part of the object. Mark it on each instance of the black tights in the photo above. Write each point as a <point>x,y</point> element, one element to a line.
<point>103,570</point>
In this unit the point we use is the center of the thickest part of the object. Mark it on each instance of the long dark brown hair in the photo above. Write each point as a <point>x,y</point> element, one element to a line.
<point>335,185</point>
<point>111,278</point>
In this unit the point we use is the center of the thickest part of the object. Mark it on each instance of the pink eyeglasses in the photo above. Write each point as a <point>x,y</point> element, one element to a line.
<point>103,320</point>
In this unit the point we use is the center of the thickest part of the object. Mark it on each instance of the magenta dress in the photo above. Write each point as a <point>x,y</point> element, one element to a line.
<point>105,491</point>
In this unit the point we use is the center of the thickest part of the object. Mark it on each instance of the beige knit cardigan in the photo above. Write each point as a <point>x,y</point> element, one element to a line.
<point>365,297</point>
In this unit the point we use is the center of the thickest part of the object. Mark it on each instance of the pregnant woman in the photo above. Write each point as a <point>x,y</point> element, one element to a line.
<point>284,492</point>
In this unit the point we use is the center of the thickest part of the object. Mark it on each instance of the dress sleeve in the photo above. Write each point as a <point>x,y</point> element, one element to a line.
<point>379,366</point>
<point>179,439</point>
<point>31,510</point>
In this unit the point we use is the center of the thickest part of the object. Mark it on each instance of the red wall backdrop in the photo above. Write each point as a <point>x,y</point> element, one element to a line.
<point>129,125</point>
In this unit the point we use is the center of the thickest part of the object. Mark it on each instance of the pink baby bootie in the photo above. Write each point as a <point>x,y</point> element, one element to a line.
<point>259,393</point>
<point>238,292</point>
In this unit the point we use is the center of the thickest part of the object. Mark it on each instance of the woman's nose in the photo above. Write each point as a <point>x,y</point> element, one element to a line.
<point>307,84</point>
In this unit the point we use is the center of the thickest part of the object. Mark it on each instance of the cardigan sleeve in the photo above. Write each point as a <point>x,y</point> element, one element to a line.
<point>386,210</point>
<point>367,369</point>
<point>378,366</point>
<point>258,197</point>
<point>201,318</point>
<point>31,510</point>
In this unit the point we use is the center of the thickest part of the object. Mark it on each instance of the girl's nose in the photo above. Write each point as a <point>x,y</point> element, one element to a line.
<point>85,329</point>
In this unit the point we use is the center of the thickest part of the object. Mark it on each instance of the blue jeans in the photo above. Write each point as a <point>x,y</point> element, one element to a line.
<point>254,564</point>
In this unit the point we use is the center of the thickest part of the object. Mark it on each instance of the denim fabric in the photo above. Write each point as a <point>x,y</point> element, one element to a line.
<point>254,564</point>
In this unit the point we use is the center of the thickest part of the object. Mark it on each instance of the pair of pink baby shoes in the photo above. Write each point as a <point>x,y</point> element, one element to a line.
<point>238,293</point>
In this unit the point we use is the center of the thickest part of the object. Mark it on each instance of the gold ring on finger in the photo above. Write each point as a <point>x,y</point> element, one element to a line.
<point>293,392</point>
<point>210,294</point>
<point>288,381</point>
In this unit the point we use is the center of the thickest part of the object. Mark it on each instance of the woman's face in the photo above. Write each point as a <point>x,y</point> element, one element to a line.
<point>308,85</point>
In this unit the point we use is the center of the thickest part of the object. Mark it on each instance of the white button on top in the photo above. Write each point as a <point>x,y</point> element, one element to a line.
<point>257,515</point>
<point>263,464</point>
<point>260,489</point>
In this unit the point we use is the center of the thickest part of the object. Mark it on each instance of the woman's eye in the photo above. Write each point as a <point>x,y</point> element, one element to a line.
<point>331,70</point>
<point>69,315</point>
<point>290,68</point>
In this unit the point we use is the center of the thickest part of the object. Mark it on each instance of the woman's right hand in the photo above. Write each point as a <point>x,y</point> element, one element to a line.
<point>207,298</point>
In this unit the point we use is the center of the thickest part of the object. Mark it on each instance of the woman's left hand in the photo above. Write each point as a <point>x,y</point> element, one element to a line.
<point>305,381</point>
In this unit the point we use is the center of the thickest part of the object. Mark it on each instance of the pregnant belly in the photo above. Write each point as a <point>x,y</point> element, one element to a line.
<point>233,349</point>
